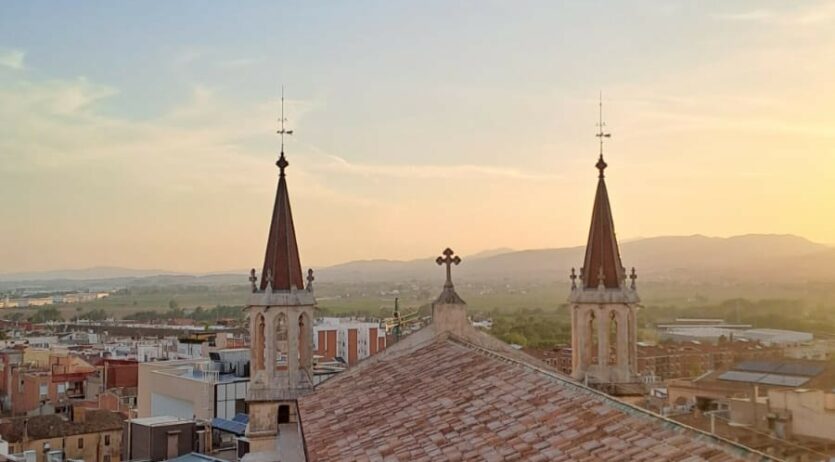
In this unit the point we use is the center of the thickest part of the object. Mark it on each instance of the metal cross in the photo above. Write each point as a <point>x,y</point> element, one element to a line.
<point>282,162</point>
<point>573,278</point>
<point>601,125</point>
<point>283,131</point>
<point>601,164</point>
<point>253,279</point>
<point>633,276</point>
<point>310,279</point>
<point>448,260</point>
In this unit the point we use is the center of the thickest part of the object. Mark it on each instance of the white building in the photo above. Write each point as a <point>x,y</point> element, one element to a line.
<point>348,339</point>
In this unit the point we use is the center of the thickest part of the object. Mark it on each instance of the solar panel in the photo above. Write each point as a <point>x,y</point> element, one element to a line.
<point>780,367</point>
<point>758,366</point>
<point>231,426</point>
<point>740,376</point>
<point>765,379</point>
<point>783,380</point>
<point>808,370</point>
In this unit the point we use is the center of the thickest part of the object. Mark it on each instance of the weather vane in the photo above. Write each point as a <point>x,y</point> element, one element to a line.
<point>283,131</point>
<point>601,125</point>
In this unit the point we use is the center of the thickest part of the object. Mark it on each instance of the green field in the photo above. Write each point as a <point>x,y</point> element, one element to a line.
<point>532,314</point>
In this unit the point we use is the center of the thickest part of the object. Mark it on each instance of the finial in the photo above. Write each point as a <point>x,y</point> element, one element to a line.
<point>310,279</point>
<point>282,162</point>
<point>253,279</point>
<point>601,277</point>
<point>448,260</point>
<point>601,134</point>
<point>633,276</point>
<point>601,165</point>
<point>573,278</point>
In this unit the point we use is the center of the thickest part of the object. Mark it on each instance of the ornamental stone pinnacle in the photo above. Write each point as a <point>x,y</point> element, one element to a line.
<point>310,279</point>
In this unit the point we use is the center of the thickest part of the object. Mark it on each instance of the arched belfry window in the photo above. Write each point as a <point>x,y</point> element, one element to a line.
<point>281,345</point>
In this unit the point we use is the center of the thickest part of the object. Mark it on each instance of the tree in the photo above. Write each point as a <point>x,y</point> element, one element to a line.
<point>46,314</point>
<point>515,337</point>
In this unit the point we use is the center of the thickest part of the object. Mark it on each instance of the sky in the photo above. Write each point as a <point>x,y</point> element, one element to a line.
<point>142,134</point>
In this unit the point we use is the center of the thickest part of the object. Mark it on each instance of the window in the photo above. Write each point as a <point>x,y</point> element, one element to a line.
<point>81,443</point>
<point>107,440</point>
<point>43,389</point>
<point>106,458</point>
<point>283,414</point>
<point>62,387</point>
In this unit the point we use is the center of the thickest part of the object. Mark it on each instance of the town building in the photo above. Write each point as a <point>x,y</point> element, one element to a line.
<point>718,334</point>
<point>95,436</point>
<point>348,339</point>
<point>748,379</point>
<point>160,438</point>
<point>192,389</point>
<point>675,360</point>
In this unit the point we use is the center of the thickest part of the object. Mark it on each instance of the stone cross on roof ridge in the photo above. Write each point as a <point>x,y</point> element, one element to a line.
<point>448,295</point>
<point>448,260</point>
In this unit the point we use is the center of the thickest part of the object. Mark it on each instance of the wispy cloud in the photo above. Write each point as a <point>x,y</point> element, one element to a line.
<point>336,164</point>
<point>12,59</point>
<point>820,13</point>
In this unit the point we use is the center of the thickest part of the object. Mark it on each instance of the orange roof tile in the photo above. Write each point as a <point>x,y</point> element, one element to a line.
<point>447,399</point>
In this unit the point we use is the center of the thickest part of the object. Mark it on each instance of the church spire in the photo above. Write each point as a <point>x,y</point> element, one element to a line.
<point>282,265</point>
<point>602,266</point>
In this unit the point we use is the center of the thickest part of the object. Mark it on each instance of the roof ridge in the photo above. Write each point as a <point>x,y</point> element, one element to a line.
<point>625,406</point>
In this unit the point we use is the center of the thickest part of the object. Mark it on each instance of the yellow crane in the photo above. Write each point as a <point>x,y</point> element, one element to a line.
<point>394,325</point>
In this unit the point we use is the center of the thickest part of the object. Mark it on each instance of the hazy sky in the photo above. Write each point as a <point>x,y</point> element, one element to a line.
<point>141,134</point>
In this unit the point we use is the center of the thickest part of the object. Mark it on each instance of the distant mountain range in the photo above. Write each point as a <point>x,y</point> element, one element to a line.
<point>764,257</point>
<point>698,258</point>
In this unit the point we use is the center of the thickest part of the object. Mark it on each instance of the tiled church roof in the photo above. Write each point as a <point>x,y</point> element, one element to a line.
<point>441,398</point>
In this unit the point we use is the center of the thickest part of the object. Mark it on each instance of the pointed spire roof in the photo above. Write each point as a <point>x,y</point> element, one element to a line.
<point>602,262</point>
<point>282,266</point>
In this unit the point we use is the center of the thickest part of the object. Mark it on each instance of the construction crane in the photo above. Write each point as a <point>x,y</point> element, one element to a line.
<point>394,325</point>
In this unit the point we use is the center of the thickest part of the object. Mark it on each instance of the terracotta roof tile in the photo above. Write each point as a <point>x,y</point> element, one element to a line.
<point>446,400</point>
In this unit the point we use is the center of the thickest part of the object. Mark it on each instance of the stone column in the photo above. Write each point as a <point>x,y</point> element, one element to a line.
<point>577,367</point>
<point>588,332</point>
<point>293,347</point>
<point>603,339</point>
<point>633,340</point>
<point>270,345</point>
<point>623,348</point>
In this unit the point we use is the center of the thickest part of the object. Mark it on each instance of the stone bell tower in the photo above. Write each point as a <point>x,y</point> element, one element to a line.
<point>603,306</point>
<point>280,311</point>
